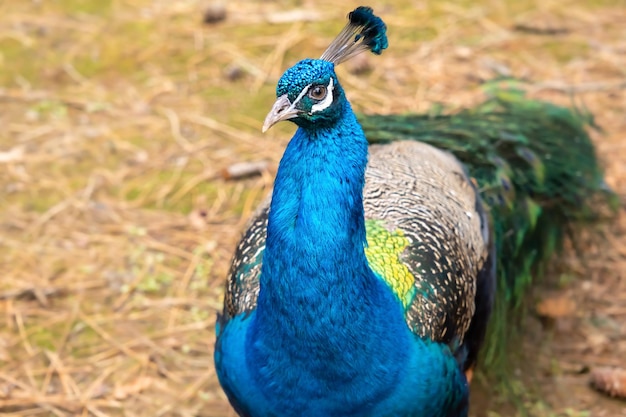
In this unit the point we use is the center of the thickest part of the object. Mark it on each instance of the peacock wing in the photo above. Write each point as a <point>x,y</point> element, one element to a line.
<point>242,287</point>
<point>427,235</point>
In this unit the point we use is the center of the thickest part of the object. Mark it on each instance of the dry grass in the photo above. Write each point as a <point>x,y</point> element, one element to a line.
<point>116,226</point>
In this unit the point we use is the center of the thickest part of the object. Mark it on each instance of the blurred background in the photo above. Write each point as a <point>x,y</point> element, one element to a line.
<point>129,128</point>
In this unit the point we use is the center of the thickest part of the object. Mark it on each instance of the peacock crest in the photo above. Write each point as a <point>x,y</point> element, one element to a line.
<point>364,31</point>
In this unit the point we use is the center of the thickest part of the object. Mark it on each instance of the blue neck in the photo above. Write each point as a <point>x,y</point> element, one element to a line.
<point>321,309</point>
<point>316,225</point>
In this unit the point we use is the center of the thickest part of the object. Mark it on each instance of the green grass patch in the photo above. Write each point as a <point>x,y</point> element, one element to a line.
<point>565,52</point>
<point>101,8</point>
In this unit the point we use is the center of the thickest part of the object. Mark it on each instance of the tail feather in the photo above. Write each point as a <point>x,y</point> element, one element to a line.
<point>537,171</point>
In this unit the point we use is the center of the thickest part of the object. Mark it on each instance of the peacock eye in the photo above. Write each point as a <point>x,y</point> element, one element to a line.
<point>317,92</point>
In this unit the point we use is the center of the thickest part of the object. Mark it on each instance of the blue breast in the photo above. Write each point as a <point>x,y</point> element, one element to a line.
<point>426,382</point>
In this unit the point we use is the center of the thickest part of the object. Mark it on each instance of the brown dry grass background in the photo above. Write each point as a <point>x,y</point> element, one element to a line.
<point>116,225</point>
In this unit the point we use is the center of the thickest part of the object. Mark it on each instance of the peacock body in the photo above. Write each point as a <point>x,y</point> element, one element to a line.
<point>364,287</point>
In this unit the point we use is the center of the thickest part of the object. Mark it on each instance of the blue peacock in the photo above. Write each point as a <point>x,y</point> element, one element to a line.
<point>365,286</point>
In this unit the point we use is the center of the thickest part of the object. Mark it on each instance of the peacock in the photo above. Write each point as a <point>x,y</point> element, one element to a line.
<point>365,285</point>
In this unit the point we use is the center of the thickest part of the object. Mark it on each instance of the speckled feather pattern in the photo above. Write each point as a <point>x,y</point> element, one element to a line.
<point>424,194</point>
<point>242,287</point>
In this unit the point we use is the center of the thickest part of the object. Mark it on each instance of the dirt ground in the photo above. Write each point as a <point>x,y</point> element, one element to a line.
<point>120,117</point>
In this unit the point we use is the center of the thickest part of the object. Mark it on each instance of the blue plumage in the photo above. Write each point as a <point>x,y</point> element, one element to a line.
<point>328,338</point>
<point>364,288</point>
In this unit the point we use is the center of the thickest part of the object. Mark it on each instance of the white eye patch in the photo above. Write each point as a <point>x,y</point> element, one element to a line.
<point>328,100</point>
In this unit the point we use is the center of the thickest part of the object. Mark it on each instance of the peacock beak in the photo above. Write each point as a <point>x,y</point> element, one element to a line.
<point>281,110</point>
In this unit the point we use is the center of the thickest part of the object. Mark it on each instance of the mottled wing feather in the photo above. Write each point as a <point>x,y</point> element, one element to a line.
<point>242,287</point>
<point>427,238</point>
<point>425,194</point>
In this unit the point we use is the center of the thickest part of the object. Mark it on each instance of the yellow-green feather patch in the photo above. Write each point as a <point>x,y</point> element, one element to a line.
<point>383,254</point>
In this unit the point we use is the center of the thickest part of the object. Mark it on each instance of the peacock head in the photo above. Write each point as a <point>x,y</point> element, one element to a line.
<point>309,93</point>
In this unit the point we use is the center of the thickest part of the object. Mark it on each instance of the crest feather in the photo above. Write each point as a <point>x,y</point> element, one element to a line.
<point>364,31</point>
